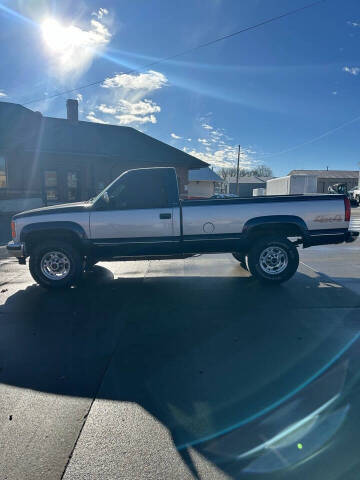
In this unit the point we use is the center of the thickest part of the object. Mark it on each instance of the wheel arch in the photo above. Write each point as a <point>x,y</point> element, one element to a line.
<point>70,232</point>
<point>287,225</point>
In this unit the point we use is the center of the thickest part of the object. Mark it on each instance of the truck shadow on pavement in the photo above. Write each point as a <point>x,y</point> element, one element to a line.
<point>207,357</point>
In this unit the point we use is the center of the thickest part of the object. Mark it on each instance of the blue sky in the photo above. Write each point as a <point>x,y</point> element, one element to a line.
<point>282,91</point>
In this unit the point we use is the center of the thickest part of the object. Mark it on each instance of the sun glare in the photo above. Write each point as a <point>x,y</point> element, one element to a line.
<point>57,37</point>
<point>72,48</point>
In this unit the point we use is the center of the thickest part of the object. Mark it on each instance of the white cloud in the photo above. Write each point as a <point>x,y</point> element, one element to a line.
<point>106,109</point>
<point>334,92</point>
<point>352,70</point>
<point>147,82</point>
<point>353,24</point>
<point>100,13</point>
<point>189,139</point>
<point>139,108</point>
<point>204,141</point>
<point>145,107</point>
<point>123,100</point>
<point>79,97</point>
<point>223,157</point>
<point>216,133</point>
<point>2,93</point>
<point>129,119</point>
<point>92,118</point>
<point>218,150</point>
<point>71,48</point>
<point>173,135</point>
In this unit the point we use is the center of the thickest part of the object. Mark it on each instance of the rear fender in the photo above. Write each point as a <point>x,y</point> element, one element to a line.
<point>290,225</point>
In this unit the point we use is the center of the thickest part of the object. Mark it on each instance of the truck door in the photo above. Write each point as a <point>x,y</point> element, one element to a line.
<point>137,215</point>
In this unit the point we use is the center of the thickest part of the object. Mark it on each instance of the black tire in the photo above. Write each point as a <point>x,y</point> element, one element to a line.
<point>241,258</point>
<point>288,261</point>
<point>74,264</point>
<point>90,262</point>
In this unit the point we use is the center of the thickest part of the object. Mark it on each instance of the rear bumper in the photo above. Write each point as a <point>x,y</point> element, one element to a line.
<point>16,249</point>
<point>351,236</point>
<point>330,237</point>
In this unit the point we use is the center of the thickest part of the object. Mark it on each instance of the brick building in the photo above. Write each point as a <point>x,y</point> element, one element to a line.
<point>46,160</point>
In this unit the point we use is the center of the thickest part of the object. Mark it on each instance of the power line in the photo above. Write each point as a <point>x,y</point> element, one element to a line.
<point>184,52</point>
<point>265,156</point>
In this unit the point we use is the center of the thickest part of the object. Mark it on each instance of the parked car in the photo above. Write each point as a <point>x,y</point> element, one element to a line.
<point>140,216</point>
<point>341,188</point>
<point>224,195</point>
<point>354,195</point>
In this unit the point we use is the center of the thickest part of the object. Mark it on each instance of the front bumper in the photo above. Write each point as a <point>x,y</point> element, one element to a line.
<point>16,249</point>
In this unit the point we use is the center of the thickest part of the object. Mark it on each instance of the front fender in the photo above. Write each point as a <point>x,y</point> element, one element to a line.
<point>52,227</point>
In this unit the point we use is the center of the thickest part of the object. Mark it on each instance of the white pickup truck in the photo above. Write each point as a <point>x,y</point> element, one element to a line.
<point>140,216</point>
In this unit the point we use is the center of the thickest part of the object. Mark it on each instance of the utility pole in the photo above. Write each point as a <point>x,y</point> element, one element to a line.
<point>237,173</point>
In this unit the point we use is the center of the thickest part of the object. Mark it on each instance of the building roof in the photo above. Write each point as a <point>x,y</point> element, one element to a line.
<point>22,128</point>
<point>250,179</point>
<point>204,175</point>
<point>328,173</point>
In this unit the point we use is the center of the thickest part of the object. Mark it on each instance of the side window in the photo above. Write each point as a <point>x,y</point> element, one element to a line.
<point>139,190</point>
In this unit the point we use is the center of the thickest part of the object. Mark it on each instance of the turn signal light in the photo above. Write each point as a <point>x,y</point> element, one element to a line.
<point>347,209</point>
<point>13,232</point>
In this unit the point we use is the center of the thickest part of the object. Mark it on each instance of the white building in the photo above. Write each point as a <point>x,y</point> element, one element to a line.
<point>203,183</point>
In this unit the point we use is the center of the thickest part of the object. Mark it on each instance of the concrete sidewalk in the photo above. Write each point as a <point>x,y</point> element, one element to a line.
<point>3,252</point>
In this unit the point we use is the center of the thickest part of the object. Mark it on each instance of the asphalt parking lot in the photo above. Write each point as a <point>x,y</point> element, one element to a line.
<point>182,369</point>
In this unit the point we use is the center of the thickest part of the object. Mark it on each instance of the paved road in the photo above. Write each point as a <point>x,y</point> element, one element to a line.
<point>341,262</point>
<point>180,369</point>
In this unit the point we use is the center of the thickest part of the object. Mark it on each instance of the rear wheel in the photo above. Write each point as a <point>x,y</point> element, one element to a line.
<point>273,260</point>
<point>241,258</point>
<point>55,265</point>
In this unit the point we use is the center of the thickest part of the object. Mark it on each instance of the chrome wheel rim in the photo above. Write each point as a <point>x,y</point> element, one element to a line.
<point>273,260</point>
<point>55,265</point>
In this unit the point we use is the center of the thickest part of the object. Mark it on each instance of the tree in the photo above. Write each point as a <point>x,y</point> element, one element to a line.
<point>262,171</point>
<point>259,171</point>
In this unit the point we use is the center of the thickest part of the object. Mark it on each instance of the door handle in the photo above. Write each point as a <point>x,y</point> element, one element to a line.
<point>164,216</point>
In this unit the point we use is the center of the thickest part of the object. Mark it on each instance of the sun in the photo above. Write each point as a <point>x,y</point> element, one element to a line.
<point>53,34</point>
<point>71,48</point>
<point>59,38</point>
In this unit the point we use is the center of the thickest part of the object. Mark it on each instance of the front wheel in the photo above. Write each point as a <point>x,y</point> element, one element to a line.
<point>273,260</point>
<point>55,265</point>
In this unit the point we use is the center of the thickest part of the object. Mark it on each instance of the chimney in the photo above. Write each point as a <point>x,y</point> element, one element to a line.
<point>72,110</point>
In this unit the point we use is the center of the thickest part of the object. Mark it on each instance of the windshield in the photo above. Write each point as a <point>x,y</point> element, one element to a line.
<point>179,240</point>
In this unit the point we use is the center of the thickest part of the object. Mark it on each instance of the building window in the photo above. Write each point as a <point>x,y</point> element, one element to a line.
<point>72,186</point>
<point>51,186</point>
<point>2,173</point>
